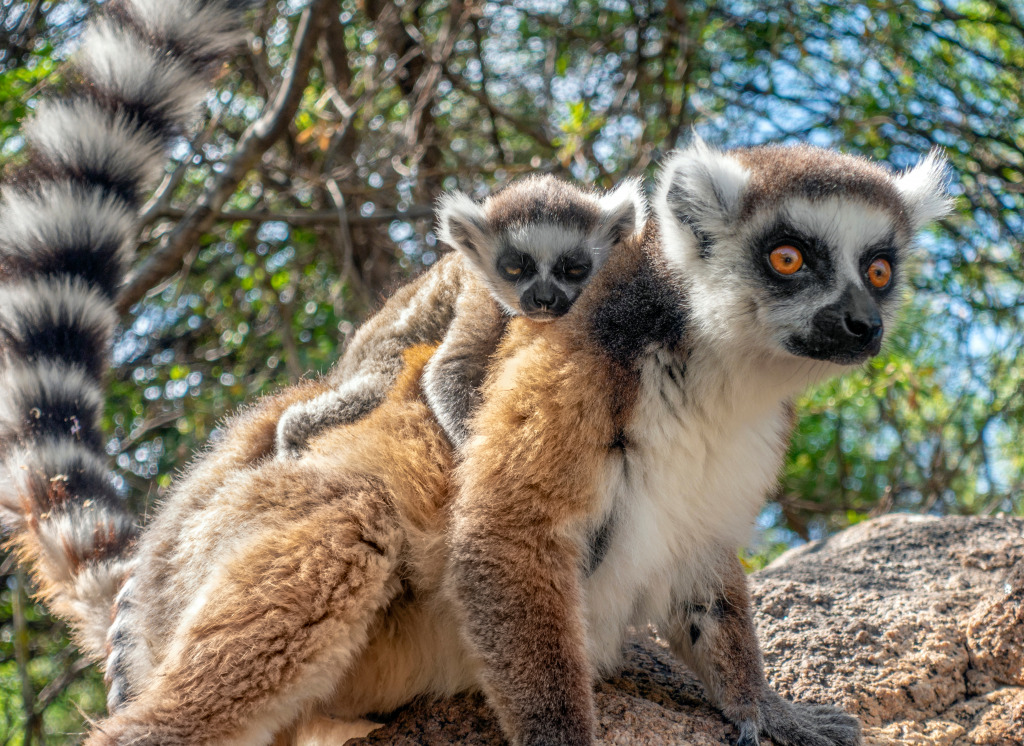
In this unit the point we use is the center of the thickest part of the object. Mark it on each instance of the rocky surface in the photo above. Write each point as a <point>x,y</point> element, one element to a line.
<point>914,624</point>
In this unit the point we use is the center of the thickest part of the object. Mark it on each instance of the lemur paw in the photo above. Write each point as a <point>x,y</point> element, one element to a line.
<point>797,724</point>
<point>748,734</point>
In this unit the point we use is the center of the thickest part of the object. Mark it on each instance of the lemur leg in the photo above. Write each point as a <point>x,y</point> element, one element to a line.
<point>453,376</point>
<point>355,399</point>
<point>273,630</point>
<point>715,636</point>
<point>520,600</point>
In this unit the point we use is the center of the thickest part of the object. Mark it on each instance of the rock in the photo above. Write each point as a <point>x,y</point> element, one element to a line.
<point>914,624</point>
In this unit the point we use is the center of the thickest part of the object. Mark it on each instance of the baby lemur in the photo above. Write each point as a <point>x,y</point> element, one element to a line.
<point>529,249</point>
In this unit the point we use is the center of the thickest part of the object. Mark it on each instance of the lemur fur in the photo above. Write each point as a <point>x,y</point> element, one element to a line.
<point>654,413</point>
<point>67,232</point>
<point>528,249</point>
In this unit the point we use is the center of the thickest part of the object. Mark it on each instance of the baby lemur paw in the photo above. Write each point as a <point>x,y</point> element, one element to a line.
<point>797,724</point>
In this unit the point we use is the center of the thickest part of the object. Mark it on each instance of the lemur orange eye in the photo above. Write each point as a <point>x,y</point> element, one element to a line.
<point>514,271</point>
<point>879,273</point>
<point>786,259</point>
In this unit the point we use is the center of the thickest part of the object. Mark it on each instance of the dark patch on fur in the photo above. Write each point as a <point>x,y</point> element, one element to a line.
<point>73,255</point>
<point>694,633</point>
<point>118,674</point>
<point>674,370</point>
<point>43,169</point>
<point>71,340</point>
<point>599,544</point>
<point>716,609</point>
<point>53,415</point>
<point>55,485</point>
<point>638,311</point>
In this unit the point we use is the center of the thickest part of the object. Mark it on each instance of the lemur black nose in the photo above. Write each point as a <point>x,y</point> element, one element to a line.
<point>863,327</point>
<point>544,299</point>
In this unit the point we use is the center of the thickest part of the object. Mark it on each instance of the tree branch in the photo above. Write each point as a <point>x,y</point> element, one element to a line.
<point>524,126</point>
<point>169,252</point>
<point>306,217</point>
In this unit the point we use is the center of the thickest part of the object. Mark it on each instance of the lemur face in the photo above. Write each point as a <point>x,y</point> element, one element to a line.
<point>537,242</point>
<point>826,278</point>
<point>797,252</point>
<point>541,269</point>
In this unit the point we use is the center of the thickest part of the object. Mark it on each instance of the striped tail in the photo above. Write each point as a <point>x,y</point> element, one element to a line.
<point>67,229</point>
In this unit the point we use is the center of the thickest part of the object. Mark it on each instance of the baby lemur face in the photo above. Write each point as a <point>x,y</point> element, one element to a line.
<point>538,241</point>
<point>796,251</point>
<point>542,268</point>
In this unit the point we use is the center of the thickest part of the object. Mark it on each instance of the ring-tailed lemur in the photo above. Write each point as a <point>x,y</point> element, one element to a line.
<point>668,390</point>
<point>654,414</point>
<point>67,230</point>
<point>533,246</point>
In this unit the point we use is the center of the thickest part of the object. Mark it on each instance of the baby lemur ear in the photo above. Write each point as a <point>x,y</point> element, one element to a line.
<point>462,224</point>
<point>925,189</point>
<point>701,187</point>
<point>623,212</point>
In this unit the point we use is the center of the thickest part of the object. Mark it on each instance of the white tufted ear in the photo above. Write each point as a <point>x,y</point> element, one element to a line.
<point>701,186</point>
<point>462,224</point>
<point>623,212</point>
<point>925,189</point>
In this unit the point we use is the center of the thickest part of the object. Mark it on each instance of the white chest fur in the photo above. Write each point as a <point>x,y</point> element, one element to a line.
<point>702,454</point>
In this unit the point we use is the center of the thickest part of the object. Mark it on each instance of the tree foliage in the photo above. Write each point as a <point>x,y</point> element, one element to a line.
<point>307,193</point>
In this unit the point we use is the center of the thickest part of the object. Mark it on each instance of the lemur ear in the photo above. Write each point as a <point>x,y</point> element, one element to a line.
<point>925,189</point>
<point>623,212</point>
<point>462,224</point>
<point>701,186</point>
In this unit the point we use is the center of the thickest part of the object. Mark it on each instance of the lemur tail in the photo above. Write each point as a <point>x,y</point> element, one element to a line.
<point>67,230</point>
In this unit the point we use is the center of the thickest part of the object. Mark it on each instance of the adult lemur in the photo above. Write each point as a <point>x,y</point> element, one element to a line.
<point>531,247</point>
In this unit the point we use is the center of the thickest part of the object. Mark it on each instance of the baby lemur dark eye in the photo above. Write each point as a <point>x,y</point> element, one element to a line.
<point>515,266</point>
<point>786,259</point>
<point>880,273</point>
